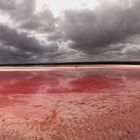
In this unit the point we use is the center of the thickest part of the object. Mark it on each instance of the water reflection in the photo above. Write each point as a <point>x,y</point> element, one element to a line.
<point>22,87</point>
<point>66,80</point>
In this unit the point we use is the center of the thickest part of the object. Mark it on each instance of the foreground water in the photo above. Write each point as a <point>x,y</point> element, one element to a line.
<point>70,103</point>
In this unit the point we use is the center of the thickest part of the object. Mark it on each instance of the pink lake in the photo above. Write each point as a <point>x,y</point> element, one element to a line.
<point>93,102</point>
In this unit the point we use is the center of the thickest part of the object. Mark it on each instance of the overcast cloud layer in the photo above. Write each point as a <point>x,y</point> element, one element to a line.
<point>111,31</point>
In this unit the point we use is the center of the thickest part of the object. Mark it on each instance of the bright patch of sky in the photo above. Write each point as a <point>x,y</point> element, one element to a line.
<point>57,6</point>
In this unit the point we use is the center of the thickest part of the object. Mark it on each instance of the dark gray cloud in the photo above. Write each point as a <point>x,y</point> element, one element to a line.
<point>18,9</point>
<point>111,31</point>
<point>19,47</point>
<point>94,31</point>
<point>41,22</point>
<point>10,37</point>
<point>22,12</point>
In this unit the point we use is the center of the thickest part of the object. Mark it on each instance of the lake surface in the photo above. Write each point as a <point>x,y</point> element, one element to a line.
<point>64,103</point>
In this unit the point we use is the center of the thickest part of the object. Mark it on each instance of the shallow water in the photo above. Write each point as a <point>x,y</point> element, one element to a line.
<point>75,103</point>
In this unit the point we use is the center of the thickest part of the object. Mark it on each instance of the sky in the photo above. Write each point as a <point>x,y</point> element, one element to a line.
<point>45,31</point>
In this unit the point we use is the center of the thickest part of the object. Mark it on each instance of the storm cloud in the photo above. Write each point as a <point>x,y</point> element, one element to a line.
<point>110,31</point>
<point>95,31</point>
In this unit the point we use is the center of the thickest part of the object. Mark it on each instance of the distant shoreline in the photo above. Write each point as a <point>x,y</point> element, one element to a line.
<point>72,64</point>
